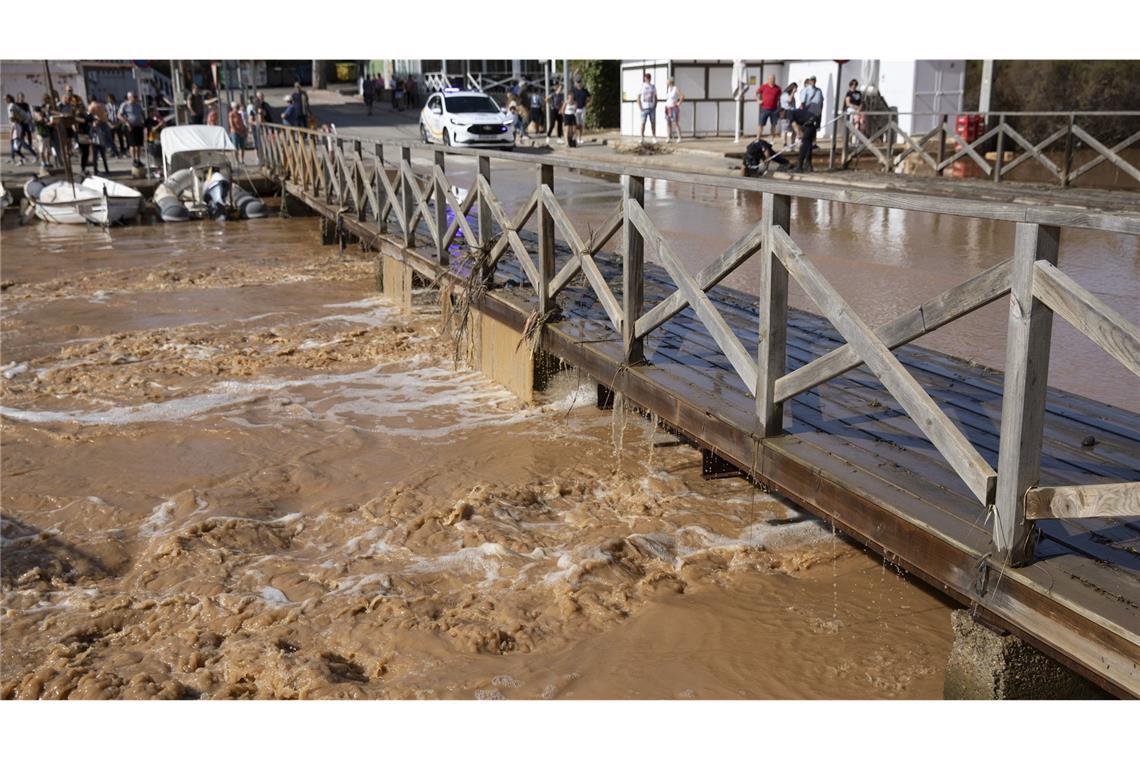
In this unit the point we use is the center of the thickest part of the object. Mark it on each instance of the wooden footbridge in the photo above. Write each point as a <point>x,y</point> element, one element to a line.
<point>1014,498</point>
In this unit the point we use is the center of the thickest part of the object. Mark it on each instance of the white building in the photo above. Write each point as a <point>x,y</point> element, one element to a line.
<point>916,88</point>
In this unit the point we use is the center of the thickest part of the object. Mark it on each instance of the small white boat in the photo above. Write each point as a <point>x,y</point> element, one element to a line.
<point>197,166</point>
<point>95,200</point>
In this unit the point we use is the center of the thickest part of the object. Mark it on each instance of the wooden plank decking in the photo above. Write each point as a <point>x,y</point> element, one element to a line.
<point>852,455</point>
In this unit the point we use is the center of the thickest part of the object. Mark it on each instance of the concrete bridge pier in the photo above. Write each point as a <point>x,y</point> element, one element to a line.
<point>987,664</point>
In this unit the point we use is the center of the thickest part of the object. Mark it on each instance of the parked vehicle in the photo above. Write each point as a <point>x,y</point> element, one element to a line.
<point>465,118</point>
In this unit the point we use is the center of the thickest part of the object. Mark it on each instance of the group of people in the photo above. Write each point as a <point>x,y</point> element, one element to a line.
<point>647,105</point>
<point>54,129</point>
<point>797,116</point>
<point>566,113</point>
<point>401,93</point>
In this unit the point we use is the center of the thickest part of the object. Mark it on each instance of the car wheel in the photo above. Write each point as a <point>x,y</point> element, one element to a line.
<point>424,133</point>
<point>446,138</point>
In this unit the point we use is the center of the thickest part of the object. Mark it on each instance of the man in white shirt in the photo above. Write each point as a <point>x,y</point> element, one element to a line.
<point>647,102</point>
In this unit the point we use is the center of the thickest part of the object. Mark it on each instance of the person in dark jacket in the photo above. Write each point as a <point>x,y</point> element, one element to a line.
<point>292,116</point>
<point>759,157</point>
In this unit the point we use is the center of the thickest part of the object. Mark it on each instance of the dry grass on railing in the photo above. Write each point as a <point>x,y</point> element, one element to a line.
<point>457,322</point>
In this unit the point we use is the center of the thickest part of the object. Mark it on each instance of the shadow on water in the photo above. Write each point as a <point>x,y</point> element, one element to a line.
<point>28,549</point>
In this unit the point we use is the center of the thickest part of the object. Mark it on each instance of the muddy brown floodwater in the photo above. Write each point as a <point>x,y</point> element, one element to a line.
<point>230,470</point>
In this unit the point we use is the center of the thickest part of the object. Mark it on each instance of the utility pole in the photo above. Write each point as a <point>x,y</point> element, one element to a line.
<point>987,86</point>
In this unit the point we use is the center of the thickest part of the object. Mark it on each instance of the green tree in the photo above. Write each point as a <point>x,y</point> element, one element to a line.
<point>603,79</point>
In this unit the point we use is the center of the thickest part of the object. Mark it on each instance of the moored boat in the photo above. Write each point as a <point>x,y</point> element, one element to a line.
<point>198,165</point>
<point>95,200</point>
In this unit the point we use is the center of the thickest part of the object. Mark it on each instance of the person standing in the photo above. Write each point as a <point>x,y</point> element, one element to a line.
<point>570,119</point>
<point>853,105</point>
<point>154,126</point>
<point>812,99</point>
<point>196,105</point>
<point>18,124</point>
<point>534,113</point>
<point>787,105</point>
<point>805,124</point>
<point>556,99</point>
<point>368,92</point>
<point>398,95</point>
<point>410,95</point>
<point>581,100</point>
<point>292,115</point>
<point>101,135</point>
<point>133,117</point>
<point>82,120</point>
<point>238,130</point>
<point>673,100</point>
<point>301,98</point>
<point>647,102</point>
<point>768,96</point>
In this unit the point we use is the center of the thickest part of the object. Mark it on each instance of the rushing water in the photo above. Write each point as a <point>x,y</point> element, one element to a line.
<point>230,470</point>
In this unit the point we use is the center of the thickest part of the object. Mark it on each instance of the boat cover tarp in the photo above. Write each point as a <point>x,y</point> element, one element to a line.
<point>195,145</point>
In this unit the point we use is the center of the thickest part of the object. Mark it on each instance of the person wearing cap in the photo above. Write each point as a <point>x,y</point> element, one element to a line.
<point>805,124</point>
<point>292,116</point>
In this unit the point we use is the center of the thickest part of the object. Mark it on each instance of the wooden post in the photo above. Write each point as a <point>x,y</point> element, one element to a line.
<point>485,219</point>
<point>359,179</point>
<point>545,176</point>
<point>942,146</point>
<point>890,146</point>
<point>633,271</point>
<point>407,198</point>
<point>999,159</point>
<point>843,159</point>
<point>381,194</point>
<point>342,185</point>
<point>441,212</point>
<point>1068,152</point>
<point>771,359</point>
<point>1023,400</point>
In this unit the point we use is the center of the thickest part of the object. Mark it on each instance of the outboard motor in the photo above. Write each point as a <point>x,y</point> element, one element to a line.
<point>216,194</point>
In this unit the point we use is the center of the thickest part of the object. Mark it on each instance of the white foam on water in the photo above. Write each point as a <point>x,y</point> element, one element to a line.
<point>274,595</point>
<point>159,518</point>
<point>472,560</point>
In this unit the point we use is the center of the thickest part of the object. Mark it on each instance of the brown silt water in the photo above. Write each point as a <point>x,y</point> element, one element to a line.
<point>231,470</point>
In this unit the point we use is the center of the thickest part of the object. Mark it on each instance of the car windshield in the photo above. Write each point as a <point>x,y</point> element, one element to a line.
<point>471,104</point>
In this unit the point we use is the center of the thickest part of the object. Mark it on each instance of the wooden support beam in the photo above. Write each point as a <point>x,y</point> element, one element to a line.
<point>1075,502</point>
<point>960,300</point>
<point>726,263</point>
<point>544,177</point>
<point>1109,154</point>
<point>999,157</point>
<point>589,248</point>
<point>936,426</point>
<point>584,261</point>
<point>706,312</point>
<point>633,271</point>
<point>1023,399</point>
<point>486,230</point>
<point>772,349</point>
<point>440,221</point>
<point>407,201</point>
<point>1097,320</point>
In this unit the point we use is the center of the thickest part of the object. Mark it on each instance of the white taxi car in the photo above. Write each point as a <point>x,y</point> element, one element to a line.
<point>466,118</point>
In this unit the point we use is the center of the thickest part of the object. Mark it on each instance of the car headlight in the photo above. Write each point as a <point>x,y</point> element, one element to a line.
<point>457,123</point>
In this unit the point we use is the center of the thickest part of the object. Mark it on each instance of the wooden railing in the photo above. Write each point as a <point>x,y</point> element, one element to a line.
<point>379,188</point>
<point>941,147</point>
